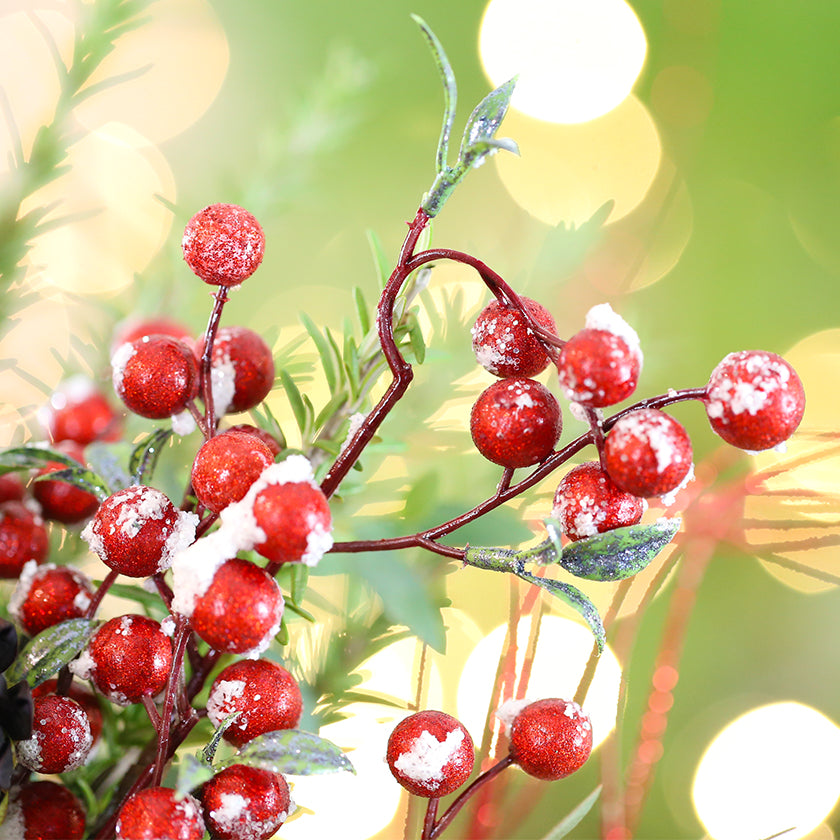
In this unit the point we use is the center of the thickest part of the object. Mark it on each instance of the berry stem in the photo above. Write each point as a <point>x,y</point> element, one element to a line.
<point>429,821</point>
<point>100,593</point>
<point>152,712</point>
<point>220,298</point>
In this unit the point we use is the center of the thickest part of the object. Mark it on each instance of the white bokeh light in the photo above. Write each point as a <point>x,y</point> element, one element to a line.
<point>575,61</point>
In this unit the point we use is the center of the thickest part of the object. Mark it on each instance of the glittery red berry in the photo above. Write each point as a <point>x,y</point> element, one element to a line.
<point>587,503</point>
<point>23,537</point>
<point>242,371</point>
<point>516,422</point>
<point>754,400</point>
<point>503,343</point>
<point>266,437</point>
<point>265,693</point>
<point>48,594</point>
<point>245,803</point>
<point>43,811</point>
<point>128,658</point>
<point>61,737</point>
<point>241,609</point>
<point>133,329</point>
<point>226,466</point>
<point>551,738</point>
<point>223,244</point>
<point>430,754</point>
<point>85,698</point>
<point>61,501</point>
<point>648,453</point>
<point>12,488</point>
<point>160,814</point>
<point>79,411</point>
<point>155,376</point>
<point>138,530</point>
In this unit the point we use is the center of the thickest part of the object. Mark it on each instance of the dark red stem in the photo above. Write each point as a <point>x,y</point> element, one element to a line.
<point>219,301</point>
<point>429,821</point>
<point>100,593</point>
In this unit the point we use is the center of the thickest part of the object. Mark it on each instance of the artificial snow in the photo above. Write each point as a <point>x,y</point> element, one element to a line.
<point>602,317</point>
<point>424,762</point>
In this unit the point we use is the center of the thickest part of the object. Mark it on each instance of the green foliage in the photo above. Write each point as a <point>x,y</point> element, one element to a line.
<point>292,751</point>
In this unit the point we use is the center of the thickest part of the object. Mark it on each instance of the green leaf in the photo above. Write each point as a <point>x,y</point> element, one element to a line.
<point>620,553</point>
<point>382,265</point>
<point>151,601</point>
<point>300,580</point>
<point>80,477</point>
<point>50,651</point>
<point>486,118</point>
<point>209,752</point>
<point>32,457</point>
<point>573,818</point>
<point>145,456</point>
<point>575,599</point>
<point>192,773</point>
<point>106,459</point>
<point>359,298</point>
<point>294,398</point>
<point>324,350</point>
<point>294,752</point>
<point>415,338</point>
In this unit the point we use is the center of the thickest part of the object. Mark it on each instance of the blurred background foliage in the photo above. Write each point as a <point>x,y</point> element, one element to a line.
<point>723,169</point>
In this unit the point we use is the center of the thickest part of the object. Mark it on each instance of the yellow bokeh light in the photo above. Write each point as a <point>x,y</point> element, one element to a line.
<point>567,172</point>
<point>773,769</point>
<point>575,61</point>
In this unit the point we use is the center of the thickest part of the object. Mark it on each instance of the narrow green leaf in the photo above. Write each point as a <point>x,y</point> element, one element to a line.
<point>324,350</point>
<point>145,456</point>
<point>192,773</point>
<point>208,754</point>
<point>380,261</point>
<point>282,637</point>
<point>415,338</point>
<point>573,818</point>
<point>300,581</point>
<point>620,553</point>
<point>352,365</point>
<point>484,121</point>
<point>361,304</point>
<point>80,477</point>
<point>294,752</point>
<point>32,457</point>
<point>150,601</point>
<point>50,651</point>
<point>298,610</point>
<point>294,398</point>
<point>338,399</point>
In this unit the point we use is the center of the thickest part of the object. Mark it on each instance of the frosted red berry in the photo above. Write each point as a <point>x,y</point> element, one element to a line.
<point>133,329</point>
<point>516,422</point>
<point>61,737</point>
<point>61,501</point>
<point>587,502</point>
<point>505,345</point>
<point>48,594</point>
<point>43,811</point>
<point>137,531</point>
<point>648,453</point>
<point>23,537</point>
<point>430,753</point>
<point>160,814</point>
<point>245,803</point>
<point>241,609</point>
<point>265,694</point>
<point>128,658</point>
<point>80,412</point>
<point>551,738</point>
<point>155,376</point>
<point>223,244</point>
<point>85,698</point>
<point>226,466</point>
<point>12,488</point>
<point>266,437</point>
<point>242,369</point>
<point>754,400</point>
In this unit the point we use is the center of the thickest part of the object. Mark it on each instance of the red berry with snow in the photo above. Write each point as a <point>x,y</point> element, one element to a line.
<point>43,811</point>
<point>516,422</point>
<point>648,453</point>
<point>265,694</point>
<point>754,400</point>
<point>245,803</point>
<point>61,501</point>
<point>587,502</point>
<point>155,376</point>
<point>85,698</point>
<point>128,658</point>
<point>134,329</point>
<point>551,738</point>
<point>223,244</point>
<point>505,345</point>
<point>241,609</point>
<point>61,737</point>
<point>430,754</point>
<point>242,369</point>
<point>138,530</point>
<point>48,594</point>
<point>23,537</point>
<point>79,411</point>
<point>160,814</point>
<point>226,466</point>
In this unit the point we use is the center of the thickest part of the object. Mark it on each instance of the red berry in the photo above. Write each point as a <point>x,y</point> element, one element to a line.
<point>78,411</point>
<point>266,437</point>
<point>86,699</point>
<point>516,422</point>
<point>551,738</point>
<point>155,376</point>
<point>648,453</point>
<point>587,503</point>
<point>48,594</point>
<point>138,530</point>
<point>241,610</point>
<point>226,466</point>
<point>61,501</point>
<point>133,329</point>
<point>430,754</point>
<point>43,811</point>
<point>23,537</point>
<point>12,488</point>
<point>242,369</point>
<point>245,803</point>
<point>265,693</point>
<point>223,244</point>
<point>754,400</point>
<point>128,658</point>
<point>159,814</point>
<point>504,345</point>
<point>61,737</point>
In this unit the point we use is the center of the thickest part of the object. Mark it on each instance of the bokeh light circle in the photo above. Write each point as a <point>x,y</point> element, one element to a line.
<point>575,61</point>
<point>773,769</point>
